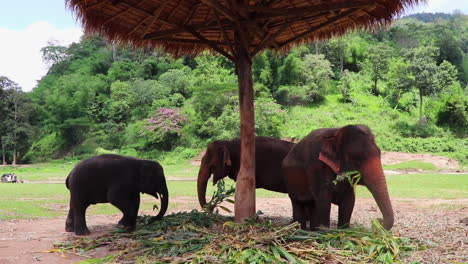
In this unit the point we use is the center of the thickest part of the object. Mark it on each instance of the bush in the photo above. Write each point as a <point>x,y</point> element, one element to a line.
<point>44,149</point>
<point>129,152</point>
<point>163,129</point>
<point>418,130</point>
<point>269,120</point>
<point>100,151</point>
<point>454,114</point>
<point>422,145</point>
<point>298,95</point>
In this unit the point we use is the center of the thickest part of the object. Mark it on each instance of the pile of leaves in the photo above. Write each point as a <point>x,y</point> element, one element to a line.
<point>204,237</point>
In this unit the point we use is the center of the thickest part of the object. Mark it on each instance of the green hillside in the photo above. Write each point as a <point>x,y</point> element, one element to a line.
<point>408,83</point>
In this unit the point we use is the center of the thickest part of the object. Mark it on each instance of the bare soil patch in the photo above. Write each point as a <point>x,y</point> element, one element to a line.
<point>445,163</point>
<point>441,224</point>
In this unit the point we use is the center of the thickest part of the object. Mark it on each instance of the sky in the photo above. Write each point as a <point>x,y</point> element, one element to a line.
<point>28,25</point>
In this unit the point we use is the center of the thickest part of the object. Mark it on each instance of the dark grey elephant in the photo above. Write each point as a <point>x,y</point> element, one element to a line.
<point>115,179</point>
<point>222,158</point>
<point>312,166</point>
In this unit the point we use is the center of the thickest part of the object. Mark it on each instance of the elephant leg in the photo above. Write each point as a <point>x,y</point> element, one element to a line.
<point>79,219</point>
<point>69,223</point>
<point>299,214</point>
<point>313,216</point>
<point>345,210</point>
<point>128,205</point>
<point>320,190</point>
<point>323,212</point>
<point>298,192</point>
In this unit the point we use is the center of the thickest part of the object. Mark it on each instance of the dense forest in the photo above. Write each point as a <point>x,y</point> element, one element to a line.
<point>408,83</point>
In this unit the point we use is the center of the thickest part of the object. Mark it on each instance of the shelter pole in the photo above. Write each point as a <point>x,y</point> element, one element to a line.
<point>244,206</point>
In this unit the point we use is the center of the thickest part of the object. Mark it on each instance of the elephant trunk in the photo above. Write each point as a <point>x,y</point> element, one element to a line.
<point>164,196</point>
<point>202,181</point>
<point>374,179</point>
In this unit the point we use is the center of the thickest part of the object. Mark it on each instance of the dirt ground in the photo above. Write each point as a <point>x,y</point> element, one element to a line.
<point>441,224</point>
<point>444,163</point>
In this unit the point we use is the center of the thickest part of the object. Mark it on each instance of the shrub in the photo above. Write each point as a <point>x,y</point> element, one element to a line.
<point>45,148</point>
<point>164,127</point>
<point>418,130</point>
<point>454,114</point>
<point>100,151</point>
<point>297,95</point>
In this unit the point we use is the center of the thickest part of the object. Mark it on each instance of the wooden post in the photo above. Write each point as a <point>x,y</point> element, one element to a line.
<point>244,206</point>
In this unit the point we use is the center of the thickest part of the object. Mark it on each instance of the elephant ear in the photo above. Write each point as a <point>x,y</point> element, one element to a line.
<point>226,157</point>
<point>145,176</point>
<point>329,153</point>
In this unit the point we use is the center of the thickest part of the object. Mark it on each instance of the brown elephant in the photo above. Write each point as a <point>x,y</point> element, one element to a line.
<point>222,158</point>
<point>311,168</point>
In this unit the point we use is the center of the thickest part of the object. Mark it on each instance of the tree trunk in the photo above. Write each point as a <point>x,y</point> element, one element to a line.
<point>420,108</point>
<point>341,57</point>
<point>374,90</point>
<point>115,48</point>
<point>15,127</point>
<point>3,154</point>
<point>14,156</point>
<point>244,206</point>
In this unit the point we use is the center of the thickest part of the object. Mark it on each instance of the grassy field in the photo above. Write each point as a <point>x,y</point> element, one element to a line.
<point>30,200</point>
<point>412,165</point>
<point>58,171</point>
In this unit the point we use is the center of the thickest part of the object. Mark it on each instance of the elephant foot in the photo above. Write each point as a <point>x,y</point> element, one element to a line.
<point>82,231</point>
<point>343,226</point>
<point>126,227</point>
<point>69,228</point>
<point>69,225</point>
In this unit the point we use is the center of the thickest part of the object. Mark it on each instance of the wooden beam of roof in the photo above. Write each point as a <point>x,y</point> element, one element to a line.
<point>260,32</point>
<point>178,30</point>
<point>324,24</point>
<point>271,37</point>
<point>137,26</point>
<point>145,12</point>
<point>241,35</point>
<point>210,43</point>
<point>263,12</point>
<point>156,13</point>
<point>191,41</point>
<point>225,35</point>
<point>198,27</point>
<point>220,8</point>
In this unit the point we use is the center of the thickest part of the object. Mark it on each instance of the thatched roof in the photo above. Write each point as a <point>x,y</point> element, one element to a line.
<point>191,26</point>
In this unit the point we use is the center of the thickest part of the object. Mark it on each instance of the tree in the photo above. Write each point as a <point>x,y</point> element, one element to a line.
<point>423,67</point>
<point>16,113</point>
<point>210,70</point>
<point>164,127</point>
<point>54,53</point>
<point>4,83</point>
<point>345,86</point>
<point>120,101</point>
<point>290,71</point>
<point>336,49</point>
<point>399,79</point>
<point>316,73</point>
<point>377,60</point>
<point>261,70</point>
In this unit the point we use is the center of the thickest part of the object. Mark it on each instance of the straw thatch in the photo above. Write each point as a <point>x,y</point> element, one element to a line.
<point>185,27</point>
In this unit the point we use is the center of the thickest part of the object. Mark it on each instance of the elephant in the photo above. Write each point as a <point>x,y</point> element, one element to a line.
<point>115,179</point>
<point>311,168</point>
<point>222,158</point>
